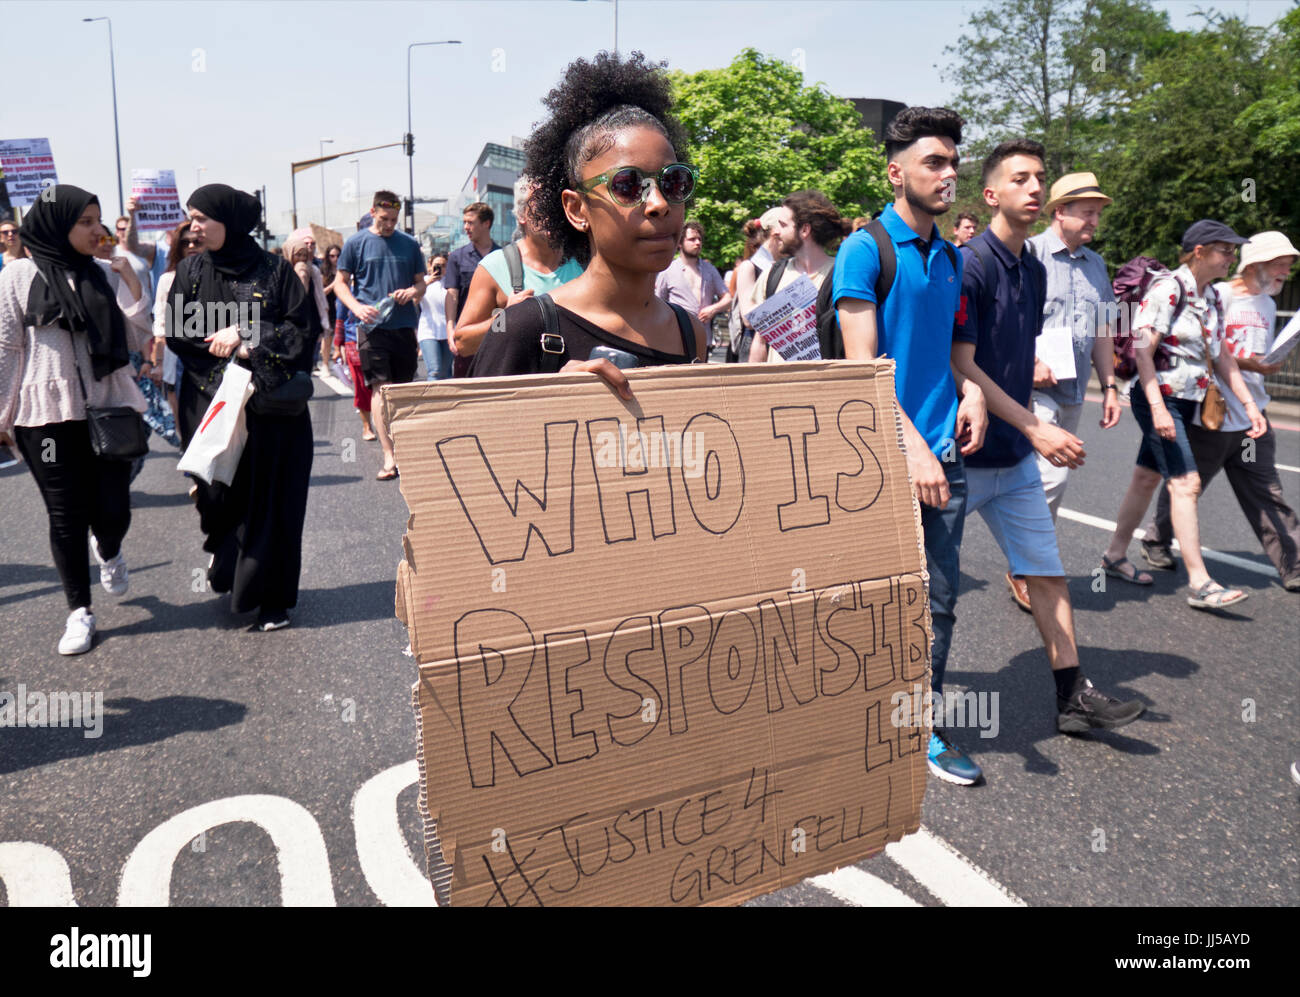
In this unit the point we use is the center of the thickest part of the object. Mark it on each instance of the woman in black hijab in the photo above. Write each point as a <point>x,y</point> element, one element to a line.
<point>253,527</point>
<point>63,347</point>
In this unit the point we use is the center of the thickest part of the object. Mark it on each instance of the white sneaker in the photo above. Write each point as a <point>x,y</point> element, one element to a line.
<point>79,633</point>
<point>112,574</point>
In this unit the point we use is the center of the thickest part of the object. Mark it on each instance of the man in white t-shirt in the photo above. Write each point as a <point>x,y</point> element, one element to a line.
<point>1250,465</point>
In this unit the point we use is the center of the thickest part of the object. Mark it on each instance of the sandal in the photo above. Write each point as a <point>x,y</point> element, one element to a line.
<point>1115,569</point>
<point>386,474</point>
<point>1212,595</point>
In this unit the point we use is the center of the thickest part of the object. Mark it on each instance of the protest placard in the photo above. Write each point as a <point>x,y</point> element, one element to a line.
<point>787,320</point>
<point>660,644</point>
<point>28,169</point>
<point>157,204</point>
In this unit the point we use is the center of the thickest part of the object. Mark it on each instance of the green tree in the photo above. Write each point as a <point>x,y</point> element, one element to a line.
<point>758,133</point>
<point>1050,70</point>
<point>1274,119</point>
<point>1187,145</point>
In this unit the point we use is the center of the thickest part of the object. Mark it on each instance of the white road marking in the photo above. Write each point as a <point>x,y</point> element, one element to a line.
<point>334,384</point>
<point>386,860</point>
<point>947,873</point>
<point>861,889</point>
<point>305,879</point>
<point>35,875</point>
<point>1287,467</point>
<point>1210,555</point>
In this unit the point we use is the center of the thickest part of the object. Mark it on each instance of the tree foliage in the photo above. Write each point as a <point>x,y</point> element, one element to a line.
<point>1177,125</point>
<point>758,133</point>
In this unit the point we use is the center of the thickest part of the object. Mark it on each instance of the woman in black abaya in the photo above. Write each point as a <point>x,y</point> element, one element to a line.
<point>253,528</point>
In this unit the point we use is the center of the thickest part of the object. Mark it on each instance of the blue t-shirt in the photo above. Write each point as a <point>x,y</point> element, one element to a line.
<point>342,311</point>
<point>914,329</point>
<point>381,266</point>
<point>1002,314</point>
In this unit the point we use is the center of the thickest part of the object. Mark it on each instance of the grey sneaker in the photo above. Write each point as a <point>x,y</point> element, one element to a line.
<point>1089,707</point>
<point>112,573</point>
<point>1158,556</point>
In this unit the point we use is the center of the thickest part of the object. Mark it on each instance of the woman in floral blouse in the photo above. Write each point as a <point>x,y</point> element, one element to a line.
<point>1180,328</point>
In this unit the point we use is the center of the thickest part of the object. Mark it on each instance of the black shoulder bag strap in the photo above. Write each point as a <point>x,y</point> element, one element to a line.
<point>515,264</point>
<point>688,333</point>
<point>774,273</point>
<point>554,354</point>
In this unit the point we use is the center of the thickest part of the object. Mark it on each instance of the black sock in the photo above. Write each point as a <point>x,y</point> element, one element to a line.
<point>1066,678</point>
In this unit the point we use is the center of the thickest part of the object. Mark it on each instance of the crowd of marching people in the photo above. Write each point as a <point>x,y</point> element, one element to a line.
<point>607,273</point>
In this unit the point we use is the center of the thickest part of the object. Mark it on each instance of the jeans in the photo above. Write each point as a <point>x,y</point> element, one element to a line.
<point>943,531</point>
<point>83,493</point>
<point>437,359</point>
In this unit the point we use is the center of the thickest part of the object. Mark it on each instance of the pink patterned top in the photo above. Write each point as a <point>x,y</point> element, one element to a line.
<point>38,365</point>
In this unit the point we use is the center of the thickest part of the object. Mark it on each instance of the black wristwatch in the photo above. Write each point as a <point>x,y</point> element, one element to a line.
<point>1110,387</point>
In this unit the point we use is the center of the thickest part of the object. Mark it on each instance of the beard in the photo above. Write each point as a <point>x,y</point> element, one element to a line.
<point>917,202</point>
<point>693,254</point>
<point>789,248</point>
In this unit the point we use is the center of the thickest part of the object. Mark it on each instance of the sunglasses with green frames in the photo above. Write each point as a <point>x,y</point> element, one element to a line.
<point>629,186</point>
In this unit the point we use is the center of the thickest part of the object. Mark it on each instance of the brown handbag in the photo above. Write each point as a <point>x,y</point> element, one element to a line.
<point>1213,407</point>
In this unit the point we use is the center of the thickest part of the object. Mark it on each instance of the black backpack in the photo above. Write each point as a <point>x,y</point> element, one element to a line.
<point>829,337</point>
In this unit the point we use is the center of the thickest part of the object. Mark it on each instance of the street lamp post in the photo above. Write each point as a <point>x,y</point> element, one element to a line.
<point>117,141</point>
<point>198,176</point>
<point>357,164</point>
<point>410,139</point>
<point>324,217</point>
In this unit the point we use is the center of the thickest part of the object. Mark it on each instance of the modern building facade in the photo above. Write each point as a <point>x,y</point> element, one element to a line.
<point>492,180</point>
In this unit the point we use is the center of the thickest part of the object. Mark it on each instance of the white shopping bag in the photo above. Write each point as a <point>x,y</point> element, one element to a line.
<point>214,453</point>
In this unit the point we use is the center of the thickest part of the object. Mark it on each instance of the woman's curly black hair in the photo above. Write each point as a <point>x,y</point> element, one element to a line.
<point>593,102</point>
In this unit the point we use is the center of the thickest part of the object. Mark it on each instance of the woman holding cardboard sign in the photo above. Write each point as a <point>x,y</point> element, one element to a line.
<point>612,191</point>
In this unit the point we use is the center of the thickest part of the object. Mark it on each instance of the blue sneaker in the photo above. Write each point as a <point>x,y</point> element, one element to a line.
<point>950,763</point>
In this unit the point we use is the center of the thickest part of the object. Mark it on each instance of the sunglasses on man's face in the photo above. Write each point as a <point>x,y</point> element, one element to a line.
<point>628,186</point>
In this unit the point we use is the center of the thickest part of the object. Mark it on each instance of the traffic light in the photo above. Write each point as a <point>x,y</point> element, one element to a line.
<point>408,143</point>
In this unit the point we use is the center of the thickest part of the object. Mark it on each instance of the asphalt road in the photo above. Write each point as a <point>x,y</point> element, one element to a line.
<point>280,732</point>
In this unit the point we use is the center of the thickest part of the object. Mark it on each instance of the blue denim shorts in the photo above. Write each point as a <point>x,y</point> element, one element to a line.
<point>1169,458</point>
<point>1011,501</point>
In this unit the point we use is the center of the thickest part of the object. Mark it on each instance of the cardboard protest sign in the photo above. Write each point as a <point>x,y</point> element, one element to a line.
<point>28,169</point>
<point>787,320</point>
<point>157,203</point>
<point>660,643</point>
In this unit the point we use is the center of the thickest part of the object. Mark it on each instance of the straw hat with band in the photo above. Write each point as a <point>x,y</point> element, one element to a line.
<point>1075,187</point>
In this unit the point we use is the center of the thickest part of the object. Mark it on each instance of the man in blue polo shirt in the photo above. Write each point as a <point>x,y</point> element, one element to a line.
<point>913,326</point>
<point>1003,290</point>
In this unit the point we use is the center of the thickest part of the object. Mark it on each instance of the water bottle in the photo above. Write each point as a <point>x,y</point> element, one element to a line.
<point>385,309</point>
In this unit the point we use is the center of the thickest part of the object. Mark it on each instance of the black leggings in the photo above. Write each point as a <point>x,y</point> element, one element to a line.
<point>82,493</point>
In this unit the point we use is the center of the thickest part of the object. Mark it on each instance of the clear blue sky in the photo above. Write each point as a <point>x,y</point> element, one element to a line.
<point>244,89</point>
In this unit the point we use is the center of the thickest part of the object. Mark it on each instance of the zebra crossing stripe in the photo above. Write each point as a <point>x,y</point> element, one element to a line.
<point>861,889</point>
<point>947,873</point>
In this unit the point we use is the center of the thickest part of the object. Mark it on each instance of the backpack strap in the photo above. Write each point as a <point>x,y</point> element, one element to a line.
<point>888,262</point>
<point>515,264</point>
<point>554,353</point>
<point>774,273</point>
<point>688,332</point>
